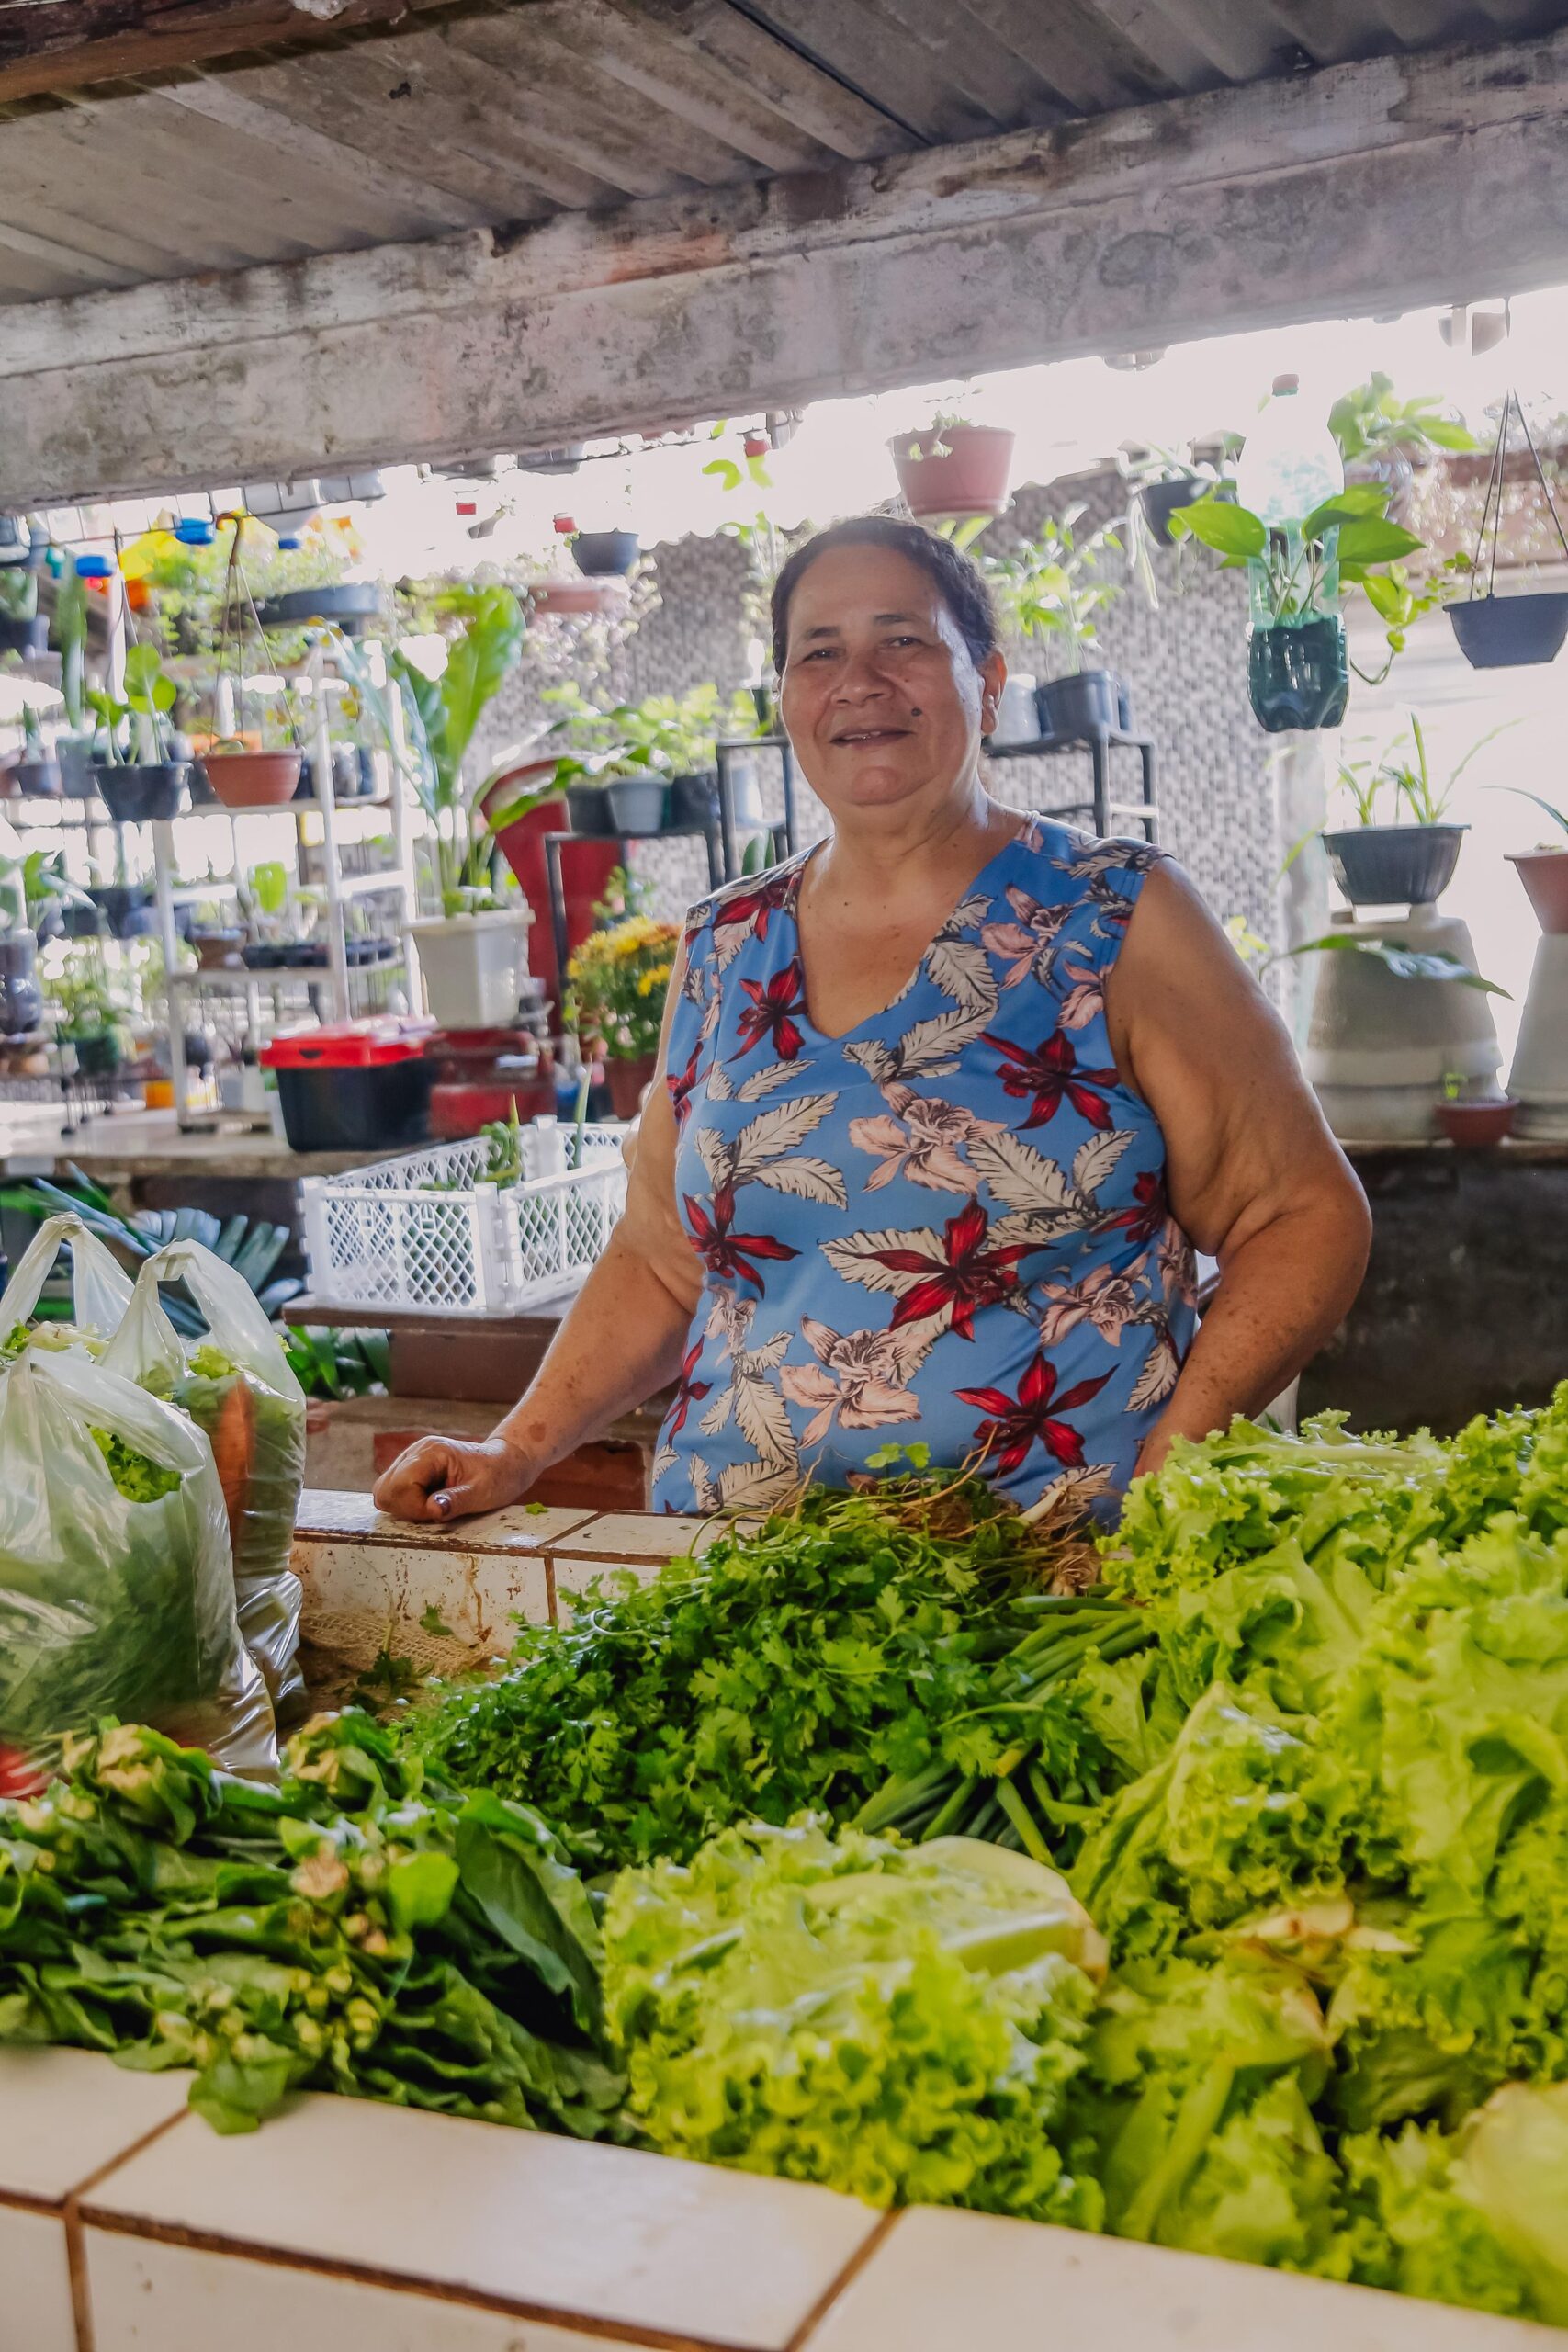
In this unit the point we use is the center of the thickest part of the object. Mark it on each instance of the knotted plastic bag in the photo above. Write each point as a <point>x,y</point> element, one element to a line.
<point>117,1598</point>
<point>100,1289</point>
<point>238,1386</point>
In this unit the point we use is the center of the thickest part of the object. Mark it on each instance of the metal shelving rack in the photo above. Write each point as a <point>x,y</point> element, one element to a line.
<point>335,986</point>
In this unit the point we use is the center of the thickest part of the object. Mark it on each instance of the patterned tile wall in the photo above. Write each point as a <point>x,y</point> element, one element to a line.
<point>1185,662</point>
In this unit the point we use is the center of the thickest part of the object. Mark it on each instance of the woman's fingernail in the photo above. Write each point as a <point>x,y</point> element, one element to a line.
<point>443,1503</point>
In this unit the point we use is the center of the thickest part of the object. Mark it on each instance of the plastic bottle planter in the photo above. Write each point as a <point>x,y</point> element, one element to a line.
<point>1298,673</point>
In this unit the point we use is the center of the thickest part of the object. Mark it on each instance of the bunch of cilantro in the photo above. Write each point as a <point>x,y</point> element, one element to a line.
<point>795,1668</point>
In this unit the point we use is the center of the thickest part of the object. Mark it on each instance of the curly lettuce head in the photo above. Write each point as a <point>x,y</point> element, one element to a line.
<point>898,2023</point>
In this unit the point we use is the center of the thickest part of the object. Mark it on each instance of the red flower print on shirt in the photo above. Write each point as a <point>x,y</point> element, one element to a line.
<point>728,1255</point>
<point>680,1084</point>
<point>770,1013</point>
<point>690,1392</point>
<point>1016,1424</point>
<point>968,1275</point>
<point>1052,1077</point>
<point>1142,1223</point>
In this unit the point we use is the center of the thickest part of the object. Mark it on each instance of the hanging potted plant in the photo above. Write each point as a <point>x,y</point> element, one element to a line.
<point>1399,864</point>
<point>1382,439</point>
<point>954,468</point>
<point>617,981</point>
<point>1298,666</point>
<point>1543,870</point>
<point>23,628</point>
<point>258,769</point>
<point>1510,632</point>
<point>36,773</point>
<point>1052,587</point>
<point>69,631</point>
<point>600,554</point>
<point>474,954</point>
<point>136,776</point>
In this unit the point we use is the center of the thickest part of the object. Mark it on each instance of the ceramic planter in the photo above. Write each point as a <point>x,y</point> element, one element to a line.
<point>1475,1126</point>
<point>1394,865</point>
<point>1087,702</point>
<point>605,554</point>
<point>1509,632</point>
<point>626,1078</point>
<point>134,793</point>
<point>252,779</point>
<point>474,966</point>
<point>1298,673</point>
<point>637,804</point>
<point>578,594</point>
<point>962,470</point>
<point>1544,874</point>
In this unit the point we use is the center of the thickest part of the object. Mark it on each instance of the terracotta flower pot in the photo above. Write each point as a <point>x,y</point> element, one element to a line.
<point>1476,1126</point>
<point>1544,874</point>
<point>962,470</point>
<point>252,779</point>
<point>626,1081</point>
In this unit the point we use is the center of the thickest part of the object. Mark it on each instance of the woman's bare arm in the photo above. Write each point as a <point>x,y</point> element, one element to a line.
<point>1254,1175</point>
<point>621,1342</point>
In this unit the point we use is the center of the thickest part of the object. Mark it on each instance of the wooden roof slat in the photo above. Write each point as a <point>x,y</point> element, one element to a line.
<point>54,45</point>
<point>958,51</point>
<point>1080,51</point>
<point>219,100</point>
<point>189,235</point>
<point>847,122</point>
<point>879,60</point>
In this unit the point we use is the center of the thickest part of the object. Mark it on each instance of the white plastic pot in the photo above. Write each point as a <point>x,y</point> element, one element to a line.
<point>474,966</point>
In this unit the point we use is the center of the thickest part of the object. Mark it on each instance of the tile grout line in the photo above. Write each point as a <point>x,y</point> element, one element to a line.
<point>75,2251</point>
<point>587,2325</point>
<point>846,2277</point>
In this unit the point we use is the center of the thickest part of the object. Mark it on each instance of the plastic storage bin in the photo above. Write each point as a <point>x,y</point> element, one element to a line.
<point>354,1087</point>
<point>430,1231</point>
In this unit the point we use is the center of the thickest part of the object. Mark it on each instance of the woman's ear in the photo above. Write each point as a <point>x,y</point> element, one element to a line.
<point>993,678</point>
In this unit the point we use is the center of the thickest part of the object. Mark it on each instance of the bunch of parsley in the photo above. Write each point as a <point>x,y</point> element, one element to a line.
<point>795,1668</point>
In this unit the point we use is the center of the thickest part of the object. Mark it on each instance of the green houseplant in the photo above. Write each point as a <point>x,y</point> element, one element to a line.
<point>1054,586</point>
<point>1401,863</point>
<point>37,772</point>
<point>134,771</point>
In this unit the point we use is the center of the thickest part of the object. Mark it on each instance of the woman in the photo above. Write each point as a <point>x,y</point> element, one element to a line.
<point>946,1100</point>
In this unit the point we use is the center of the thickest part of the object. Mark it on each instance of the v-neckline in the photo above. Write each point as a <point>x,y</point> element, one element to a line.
<point>871,1020</point>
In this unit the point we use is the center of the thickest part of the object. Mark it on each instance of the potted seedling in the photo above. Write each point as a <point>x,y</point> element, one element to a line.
<point>136,777</point>
<point>1475,1122</point>
<point>1509,632</point>
<point>1408,863</point>
<point>954,468</point>
<point>92,1020</point>
<point>1052,587</point>
<point>23,628</point>
<point>36,773</point>
<point>1543,870</point>
<point>1298,665</point>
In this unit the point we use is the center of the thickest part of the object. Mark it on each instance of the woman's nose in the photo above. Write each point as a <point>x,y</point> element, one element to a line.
<point>860,677</point>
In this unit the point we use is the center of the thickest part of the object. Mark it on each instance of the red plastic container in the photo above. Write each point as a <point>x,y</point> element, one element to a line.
<point>357,1086</point>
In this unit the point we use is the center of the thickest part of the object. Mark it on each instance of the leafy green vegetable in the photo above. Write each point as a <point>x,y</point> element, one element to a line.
<point>353,1931</point>
<point>900,2024</point>
<point>792,1669</point>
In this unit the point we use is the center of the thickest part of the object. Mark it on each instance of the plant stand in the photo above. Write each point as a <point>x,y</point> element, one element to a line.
<point>1098,743</point>
<point>555,842</point>
<point>335,989</point>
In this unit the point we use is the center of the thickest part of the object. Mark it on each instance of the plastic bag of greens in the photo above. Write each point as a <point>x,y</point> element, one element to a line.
<point>100,1289</point>
<point>237,1385</point>
<point>116,1594</point>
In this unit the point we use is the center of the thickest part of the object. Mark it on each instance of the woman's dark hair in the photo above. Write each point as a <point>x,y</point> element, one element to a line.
<point>959,583</point>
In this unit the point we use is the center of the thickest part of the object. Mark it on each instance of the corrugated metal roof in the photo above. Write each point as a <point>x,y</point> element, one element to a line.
<point>504,116</point>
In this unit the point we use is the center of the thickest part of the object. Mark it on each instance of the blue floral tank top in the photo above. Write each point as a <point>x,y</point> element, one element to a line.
<point>947,1229</point>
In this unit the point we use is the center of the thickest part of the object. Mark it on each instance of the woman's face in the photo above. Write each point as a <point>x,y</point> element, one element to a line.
<point>881,698</point>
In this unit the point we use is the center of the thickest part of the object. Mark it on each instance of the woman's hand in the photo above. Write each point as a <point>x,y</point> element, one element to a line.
<point>450,1477</point>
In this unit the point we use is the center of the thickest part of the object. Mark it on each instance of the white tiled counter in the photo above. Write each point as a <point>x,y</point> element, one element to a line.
<point>126,2225</point>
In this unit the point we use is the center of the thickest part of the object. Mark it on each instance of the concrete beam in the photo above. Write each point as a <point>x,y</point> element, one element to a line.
<point>1383,185</point>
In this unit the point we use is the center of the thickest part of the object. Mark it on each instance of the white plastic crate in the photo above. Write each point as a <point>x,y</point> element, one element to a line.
<point>381,1237</point>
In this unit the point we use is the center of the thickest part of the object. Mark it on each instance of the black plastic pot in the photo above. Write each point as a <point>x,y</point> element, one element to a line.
<point>78,922</point>
<point>693,797</point>
<point>1394,865</point>
<point>638,804</point>
<point>604,555</point>
<point>1088,703</point>
<point>134,793</point>
<point>1158,500</point>
<point>1298,677</point>
<point>38,779</point>
<point>587,805</point>
<point>21,998</point>
<point>127,909</point>
<point>1508,632</point>
<point>349,601</point>
<point>24,637</point>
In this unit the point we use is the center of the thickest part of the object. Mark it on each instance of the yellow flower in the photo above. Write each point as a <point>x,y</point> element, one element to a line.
<point>658,978</point>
